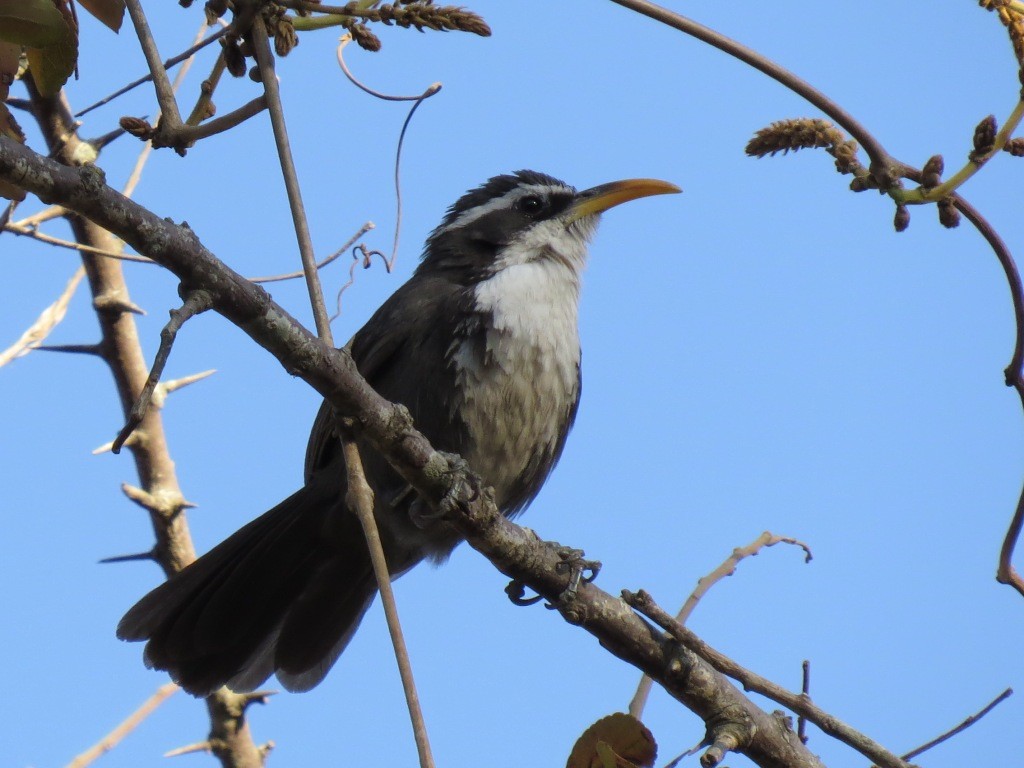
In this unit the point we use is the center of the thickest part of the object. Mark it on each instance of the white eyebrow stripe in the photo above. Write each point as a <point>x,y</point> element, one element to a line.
<point>505,201</point>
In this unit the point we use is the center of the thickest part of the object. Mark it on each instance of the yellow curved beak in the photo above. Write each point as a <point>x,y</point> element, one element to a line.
<point>598,199</point>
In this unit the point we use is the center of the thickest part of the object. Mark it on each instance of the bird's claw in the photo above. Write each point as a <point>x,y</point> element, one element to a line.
<point>516,592</point>
<point>424,516</point>
<point>580,570</point>
<point>572,562</point>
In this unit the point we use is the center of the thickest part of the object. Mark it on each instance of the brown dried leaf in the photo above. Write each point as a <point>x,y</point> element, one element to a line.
<point>52,65</point>
<point>36,23</point>
<point>619,736</point>
<point>110,12</point>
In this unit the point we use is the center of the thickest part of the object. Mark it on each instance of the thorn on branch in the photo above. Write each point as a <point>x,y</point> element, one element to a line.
<point>106,302</point>
<point>139,556</point>
<point>164,388</point>
<point>133,439</point>
<point>73,349</point>
<point>256,697</point>
<point>196,303</point>
<point>188,749</point>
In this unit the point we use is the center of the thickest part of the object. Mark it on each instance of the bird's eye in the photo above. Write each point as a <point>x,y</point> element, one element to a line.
<point>531,205</point>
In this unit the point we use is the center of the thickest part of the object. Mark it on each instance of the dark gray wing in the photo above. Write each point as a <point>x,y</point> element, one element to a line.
<point>402,352</point>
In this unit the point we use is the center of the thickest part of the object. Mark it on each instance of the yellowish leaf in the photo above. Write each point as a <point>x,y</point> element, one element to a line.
<point>110,12</point>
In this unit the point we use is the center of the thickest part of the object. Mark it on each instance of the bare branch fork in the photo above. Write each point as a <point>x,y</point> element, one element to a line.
<point>705,583</point>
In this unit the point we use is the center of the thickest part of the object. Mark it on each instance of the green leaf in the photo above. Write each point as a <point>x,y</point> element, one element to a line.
<point>52,65</point>
<point>35,23</point>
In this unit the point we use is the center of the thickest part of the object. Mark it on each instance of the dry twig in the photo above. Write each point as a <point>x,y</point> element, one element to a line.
<point>114,738</point>
<point>726,568</point>
<point>45,323</point>
<point>360,500</point>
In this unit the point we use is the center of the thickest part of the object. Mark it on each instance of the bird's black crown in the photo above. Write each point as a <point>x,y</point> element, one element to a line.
<point>496,187</point>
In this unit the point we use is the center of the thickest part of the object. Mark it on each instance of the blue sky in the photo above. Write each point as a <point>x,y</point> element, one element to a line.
<point>761,352</point>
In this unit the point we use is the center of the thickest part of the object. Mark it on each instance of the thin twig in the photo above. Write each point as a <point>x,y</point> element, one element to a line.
<point>147,149</point>
<point>1014,373</point>
<point>881,161</point>
<point>360,255</point>
<point>161,83</point>
<point>320,265</point>
<point>805,691</point>
<point>958,179</point>
<point>186,135</point>
<point>195,303</point>
<point>8,212</point>
<point>17,229</point>
<point>964,725</point>
<point>642,602</point>
<point>360,501</point>
<point>40,217</point>
<point>186,54</point>
<point>113,738</point>
<point>345,40</point>
<point>265,61</point>
<point>726,568</point>
<point>203,108</point>
<point>431,90</point>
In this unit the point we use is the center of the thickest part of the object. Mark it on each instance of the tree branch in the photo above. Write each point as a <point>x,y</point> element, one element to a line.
<point>513,550</point>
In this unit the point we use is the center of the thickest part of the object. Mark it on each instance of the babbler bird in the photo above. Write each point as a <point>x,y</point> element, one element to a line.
<point>481,345</point>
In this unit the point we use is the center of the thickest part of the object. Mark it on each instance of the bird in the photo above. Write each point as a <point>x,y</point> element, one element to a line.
<point>482,346</point>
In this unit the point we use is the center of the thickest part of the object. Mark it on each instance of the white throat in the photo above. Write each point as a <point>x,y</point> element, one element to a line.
<point>524,379</point>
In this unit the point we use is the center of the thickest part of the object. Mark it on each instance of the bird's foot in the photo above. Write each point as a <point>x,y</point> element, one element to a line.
<point>580,570</point>
<point>424,516</point>
<point>572,562</point>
